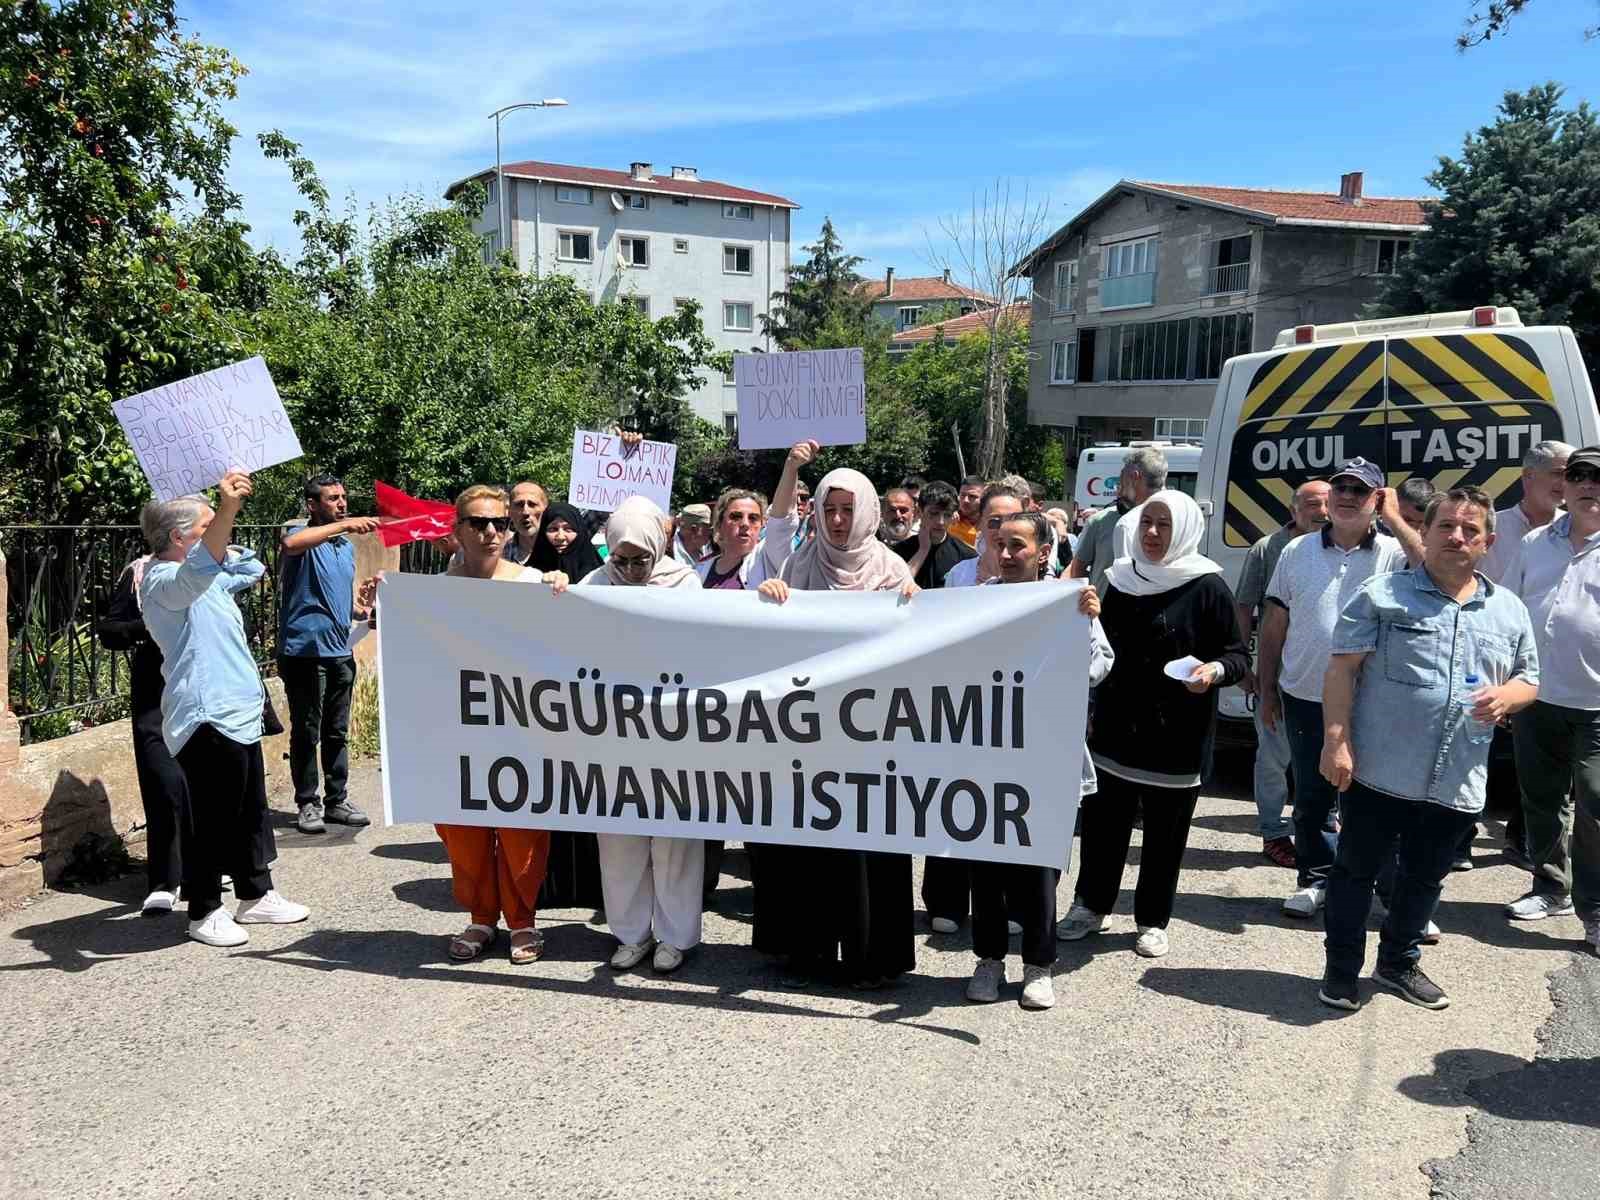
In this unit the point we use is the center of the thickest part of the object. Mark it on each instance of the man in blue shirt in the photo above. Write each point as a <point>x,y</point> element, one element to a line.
<point>316,596</point>
<point>1423,663</point>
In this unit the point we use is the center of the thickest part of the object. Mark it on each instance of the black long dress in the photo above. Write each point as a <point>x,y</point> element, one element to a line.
<point>844,913</point>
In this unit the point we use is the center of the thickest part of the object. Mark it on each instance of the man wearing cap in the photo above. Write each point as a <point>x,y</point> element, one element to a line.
<point>1557,574</point>
<point>694,534</point>
<point>1316,576</point>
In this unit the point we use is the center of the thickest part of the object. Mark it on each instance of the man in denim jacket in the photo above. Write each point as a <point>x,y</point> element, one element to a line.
<point>1398,741</point>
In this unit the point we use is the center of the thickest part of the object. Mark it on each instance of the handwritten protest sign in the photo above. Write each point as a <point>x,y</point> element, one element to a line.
<point>603,476</point>
<point>788,397</point>
<point>188,435</point>
<point>853,721</point>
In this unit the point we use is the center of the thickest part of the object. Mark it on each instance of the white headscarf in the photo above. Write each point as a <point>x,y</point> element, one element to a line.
<point>637,522</point>
<point>1137,575</point>
<point>865,564</point>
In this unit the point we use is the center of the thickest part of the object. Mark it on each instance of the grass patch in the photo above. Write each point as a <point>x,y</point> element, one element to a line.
<point>364,716</point>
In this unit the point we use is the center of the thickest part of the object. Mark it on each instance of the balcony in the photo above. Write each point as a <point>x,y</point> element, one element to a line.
<point>1128,291</point>
<point>1234,277</point>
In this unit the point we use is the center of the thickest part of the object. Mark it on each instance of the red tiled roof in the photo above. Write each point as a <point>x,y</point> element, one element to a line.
<point>1303,206</point>
<point>927,287</point>
<point>957,328</point>
<point>705,189</point>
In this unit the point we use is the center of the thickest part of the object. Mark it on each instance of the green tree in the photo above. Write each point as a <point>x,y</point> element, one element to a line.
<point>1517,222</point>
<point>1488,19</point>
<point>824,293</point>
<point>107,117</point>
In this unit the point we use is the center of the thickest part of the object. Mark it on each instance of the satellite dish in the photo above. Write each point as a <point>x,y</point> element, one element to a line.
<point>617,202</point>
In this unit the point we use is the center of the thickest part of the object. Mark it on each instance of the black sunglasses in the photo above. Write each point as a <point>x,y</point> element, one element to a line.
<point>499,524</point>
<point>1583,473</point>
<point>1352,489</point>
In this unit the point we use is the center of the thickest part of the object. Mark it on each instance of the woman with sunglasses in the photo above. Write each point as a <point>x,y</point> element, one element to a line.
<point>651,885</point>
<point>493,871</point>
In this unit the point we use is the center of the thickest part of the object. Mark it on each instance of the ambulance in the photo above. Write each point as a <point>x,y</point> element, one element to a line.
<point>1099,468</point>
<point>1456,398</point>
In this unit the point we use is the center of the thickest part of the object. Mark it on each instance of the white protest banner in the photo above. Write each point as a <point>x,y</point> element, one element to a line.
<point>951,724</point>
<point>603,476</point>
<point>188,435</point>
<point>787,397</point>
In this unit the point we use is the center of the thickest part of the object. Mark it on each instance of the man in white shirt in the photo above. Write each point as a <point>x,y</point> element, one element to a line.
<point>1316,575</point>
<point>1557,574</point>
<point>1543,480</point>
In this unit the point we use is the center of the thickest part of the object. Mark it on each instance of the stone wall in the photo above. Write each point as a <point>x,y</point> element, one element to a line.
<point>56,793</point>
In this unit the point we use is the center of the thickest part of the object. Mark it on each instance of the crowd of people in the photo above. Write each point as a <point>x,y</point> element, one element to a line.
<point>1394,640</point>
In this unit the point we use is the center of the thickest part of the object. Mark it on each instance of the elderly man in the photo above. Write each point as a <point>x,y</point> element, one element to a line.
<point>528,502</point>
<point>1557,574</point>
<point>1406,737</point>
<point>1272,745</point>
<point>1316,576</point>
<point>1544,469</point>
<point>899,515</point>
<point>1144,472</point>
<point>316,589</point>
<point>693,542</point>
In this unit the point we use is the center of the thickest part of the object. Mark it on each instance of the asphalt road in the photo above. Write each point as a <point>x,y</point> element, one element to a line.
<point>348,1057</point>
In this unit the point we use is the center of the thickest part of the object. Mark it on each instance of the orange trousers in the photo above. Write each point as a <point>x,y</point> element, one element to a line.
<point>495,871</point>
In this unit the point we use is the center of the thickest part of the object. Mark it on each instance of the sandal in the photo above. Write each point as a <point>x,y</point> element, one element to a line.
<point>527,945</point>
<point>464,947</point>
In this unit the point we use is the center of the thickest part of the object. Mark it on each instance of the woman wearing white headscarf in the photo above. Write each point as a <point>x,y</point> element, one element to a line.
<point>837,913</point>
<point>651,885</point>
<point>1152,733</point>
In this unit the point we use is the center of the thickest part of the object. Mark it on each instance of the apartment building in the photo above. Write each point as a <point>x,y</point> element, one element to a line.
<point>1141,297</point>
<point>653,241</point>
<point>905,303</point>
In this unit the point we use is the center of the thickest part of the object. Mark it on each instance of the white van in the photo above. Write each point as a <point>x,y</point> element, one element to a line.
<point>1454,397</point>
<point>1100,466</point>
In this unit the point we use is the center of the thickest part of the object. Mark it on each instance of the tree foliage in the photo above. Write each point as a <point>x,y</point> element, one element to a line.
<point>823,297</point>
<point>1517,222</point>
<point>1489,19</point>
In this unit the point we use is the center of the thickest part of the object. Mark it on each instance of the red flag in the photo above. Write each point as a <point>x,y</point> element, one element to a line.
<point>408,519</point>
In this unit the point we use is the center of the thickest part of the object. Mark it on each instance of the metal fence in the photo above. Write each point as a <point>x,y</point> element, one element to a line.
<point>60,579</point>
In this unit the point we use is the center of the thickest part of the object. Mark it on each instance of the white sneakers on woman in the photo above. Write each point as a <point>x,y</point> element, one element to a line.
<point>1152,942</point>
<point>1079,922</point>
<point>271,909</point>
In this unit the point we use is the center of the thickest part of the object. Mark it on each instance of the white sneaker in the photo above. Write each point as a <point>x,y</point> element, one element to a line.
<point>667,959</point>
<point>1306,901</point>
<point>1079,922</point>
<point>217,928</point>
<point>631,954</point>
<point>1038,991</point>
<point>1536,906</point>
<point>986,980</point>
<point>271,909</point>
<point>1431,934</point>
<point>945,925</point>
<point>1013,928</point>
<point>158,903</point>
<point>1152,942</point>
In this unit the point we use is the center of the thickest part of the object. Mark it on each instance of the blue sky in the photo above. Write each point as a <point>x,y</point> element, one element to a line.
<point>885,117</point>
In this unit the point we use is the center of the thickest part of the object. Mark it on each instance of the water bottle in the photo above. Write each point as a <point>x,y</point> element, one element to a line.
<point>1478,732</point>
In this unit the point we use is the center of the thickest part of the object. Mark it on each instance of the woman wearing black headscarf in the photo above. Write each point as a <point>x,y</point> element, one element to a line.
<point>572,880</point>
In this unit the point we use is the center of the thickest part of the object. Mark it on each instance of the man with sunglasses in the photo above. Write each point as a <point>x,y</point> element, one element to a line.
<point>1315,578</point>
<point>1557,573</point>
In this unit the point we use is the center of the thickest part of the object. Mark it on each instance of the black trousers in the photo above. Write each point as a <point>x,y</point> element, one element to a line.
<point>1107,831</point>
<point>946,887</point>
<point>319,713</point>
<point>1025,893</point>
<point>162,788</point>
<point>228,831</point>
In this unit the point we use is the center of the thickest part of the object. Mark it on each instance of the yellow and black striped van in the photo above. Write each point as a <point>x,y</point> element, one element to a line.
<point>1457,398</point>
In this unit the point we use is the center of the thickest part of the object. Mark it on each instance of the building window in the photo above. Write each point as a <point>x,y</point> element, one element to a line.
<point>574,195</point>
<point>679,303</point>
<point>681,201</point>
<point>730,424</point>
<point>1063,361</point>
<point>1128,273</point>
<point>491,246</point>
<point>739,212</point>
<point>1181,429</point>
<point>680,245</point>
<point>640,303</point>
<point>637,200</point>
<point>1230,268</point>
<point>1066,285</point>
<point>491,190</point>
<point>635,251</point>
<point>572,246</point>
<point>736,260</point>
<point>1387,253</point>
<point>908,316</point>
<point>738,316</point>
<point>1191,348</point>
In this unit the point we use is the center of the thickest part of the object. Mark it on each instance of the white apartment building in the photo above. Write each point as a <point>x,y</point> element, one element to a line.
<point>635,237</point>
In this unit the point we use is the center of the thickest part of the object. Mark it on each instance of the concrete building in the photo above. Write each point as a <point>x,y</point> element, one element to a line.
<point>1141,297</point>
<point>653,241</point>
<point>905,303</point>
<point>953,330</point>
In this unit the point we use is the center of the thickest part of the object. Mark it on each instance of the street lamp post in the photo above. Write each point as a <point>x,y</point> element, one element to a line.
<point>502,226</point>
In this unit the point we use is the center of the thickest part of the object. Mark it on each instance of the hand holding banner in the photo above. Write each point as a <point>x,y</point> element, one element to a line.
<point>789,397</point>
<point>188,435</point>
